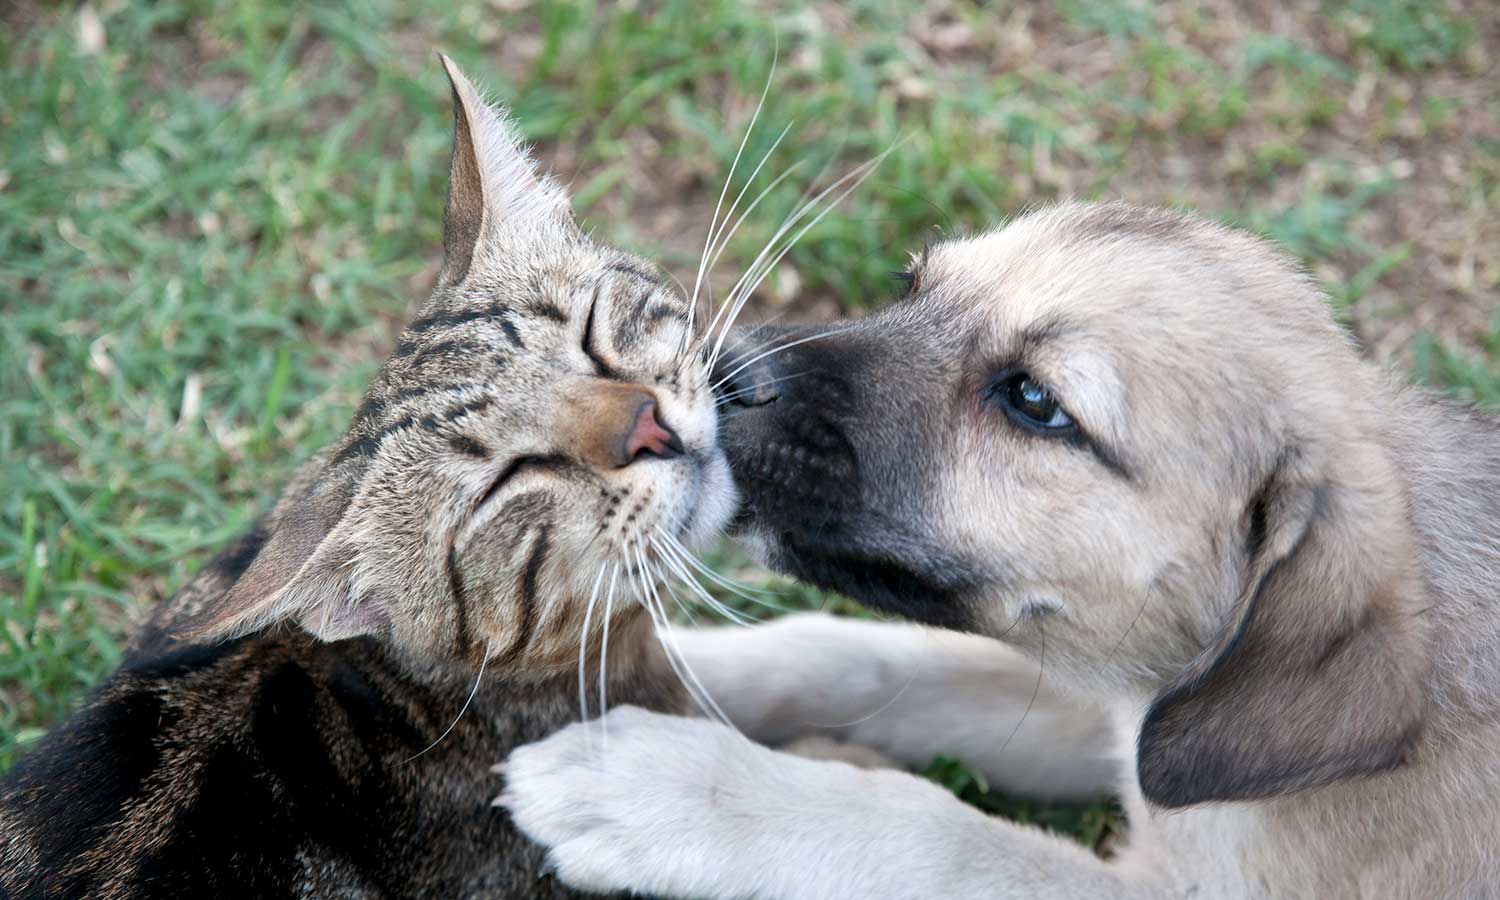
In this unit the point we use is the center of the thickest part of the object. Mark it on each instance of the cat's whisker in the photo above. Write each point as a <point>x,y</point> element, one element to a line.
<point>583,648</point>
<point>677,557</point>
<point>786,223</point>
<point>718,326</point>
<point>762,345</point>
<point>718,237</point>
<point>463,709</point>
<point>722,244</point>
<point>775,350</point>
<point>768,320</point>
<point>723,192</point>
<point>676,565</point>
<point>683,608</point>
<point>609,600</point>
<point>744,591</point>
<point>774,250</point>
<point>706,701</point>
<point>651,600</point>
<point>740,294</point>
<point>780,178</point>
<point>726,399</point>
<point>658,622</point>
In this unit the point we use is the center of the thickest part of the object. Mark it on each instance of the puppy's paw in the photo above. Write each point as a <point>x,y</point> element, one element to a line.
<point>636,801</point>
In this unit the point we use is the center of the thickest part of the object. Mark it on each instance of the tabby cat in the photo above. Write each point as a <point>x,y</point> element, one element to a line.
<point>294,722</point>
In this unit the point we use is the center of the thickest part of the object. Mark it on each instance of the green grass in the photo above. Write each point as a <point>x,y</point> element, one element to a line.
<point>212,220</point>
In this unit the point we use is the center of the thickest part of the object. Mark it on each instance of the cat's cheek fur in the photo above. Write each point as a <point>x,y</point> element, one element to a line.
<point>713,504</point>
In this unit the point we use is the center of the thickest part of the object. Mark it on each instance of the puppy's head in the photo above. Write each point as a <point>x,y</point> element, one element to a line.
<point>1134,443</point>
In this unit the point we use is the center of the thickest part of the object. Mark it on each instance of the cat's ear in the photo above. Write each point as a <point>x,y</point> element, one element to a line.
<point>304,572</point>
<point>492,181</point>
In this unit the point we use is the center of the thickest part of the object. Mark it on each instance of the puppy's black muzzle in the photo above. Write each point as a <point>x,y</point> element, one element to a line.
<point>823,428</point>
<point>786,416</point>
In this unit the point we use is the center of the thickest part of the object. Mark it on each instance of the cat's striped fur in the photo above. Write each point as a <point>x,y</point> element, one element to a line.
<point>285,725</point>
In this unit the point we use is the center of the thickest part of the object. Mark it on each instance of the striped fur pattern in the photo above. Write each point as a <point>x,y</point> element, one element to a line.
<point>316,713</point>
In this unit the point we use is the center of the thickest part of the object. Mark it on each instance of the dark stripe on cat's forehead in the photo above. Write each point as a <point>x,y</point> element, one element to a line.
<point>368,444</point>
<point>637,271</point>
<point>453,319</point>
<point>661,311</point>
<point>651,308</point>
<point>370,408</point>
<point>453,350</point>
<point>426,389</point>
<point>462,443</point>
<point>498,313</point>
<point>362,446</point>
<point>378,401</point>
<point>511,333</point>
<point>546,309</point>
<point>631,321</point>
<point>626,325</point>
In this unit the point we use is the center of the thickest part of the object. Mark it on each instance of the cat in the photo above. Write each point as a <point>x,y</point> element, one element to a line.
<point>294,721</point>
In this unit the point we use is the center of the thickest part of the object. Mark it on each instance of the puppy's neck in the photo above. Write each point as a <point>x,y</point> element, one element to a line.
<point>1449,456</point>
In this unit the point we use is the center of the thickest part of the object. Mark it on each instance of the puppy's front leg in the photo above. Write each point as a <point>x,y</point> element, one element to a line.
<point>688,808</point>
<point>912,693</point>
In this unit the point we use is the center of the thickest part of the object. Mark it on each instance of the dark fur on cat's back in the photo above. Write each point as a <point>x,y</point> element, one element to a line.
<point>293,723</point>
<point>276,765</point>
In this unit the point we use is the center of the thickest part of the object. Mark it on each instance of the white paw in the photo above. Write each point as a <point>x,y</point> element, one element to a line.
<point>640,801</point>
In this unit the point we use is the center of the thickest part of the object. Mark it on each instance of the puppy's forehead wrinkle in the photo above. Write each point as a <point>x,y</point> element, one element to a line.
<point>927,324</point>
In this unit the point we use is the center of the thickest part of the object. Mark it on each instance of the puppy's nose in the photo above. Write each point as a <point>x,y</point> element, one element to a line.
<point>649,436</point>
<point>745,374</point>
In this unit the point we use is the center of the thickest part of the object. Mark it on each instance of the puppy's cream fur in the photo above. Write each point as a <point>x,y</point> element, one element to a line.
<point>1260,607</point>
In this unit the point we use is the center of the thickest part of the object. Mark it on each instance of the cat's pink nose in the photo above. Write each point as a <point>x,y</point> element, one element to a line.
<point>609,425</point>
<point>649,436</point>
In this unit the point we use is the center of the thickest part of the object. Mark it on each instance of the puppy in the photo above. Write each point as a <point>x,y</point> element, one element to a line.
<point>1241,580</point>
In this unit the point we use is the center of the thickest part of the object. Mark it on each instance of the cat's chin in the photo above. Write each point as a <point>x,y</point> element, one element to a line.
<point>710,502</point>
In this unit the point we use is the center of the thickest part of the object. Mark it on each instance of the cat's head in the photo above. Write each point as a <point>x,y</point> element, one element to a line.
<point>542,423</point>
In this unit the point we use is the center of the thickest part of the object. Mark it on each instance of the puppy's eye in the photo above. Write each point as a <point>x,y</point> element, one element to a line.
<point>1029,403</point>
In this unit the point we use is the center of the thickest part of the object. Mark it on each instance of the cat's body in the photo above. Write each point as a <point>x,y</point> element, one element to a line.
<point>277,765</point>
<point>317,712</point>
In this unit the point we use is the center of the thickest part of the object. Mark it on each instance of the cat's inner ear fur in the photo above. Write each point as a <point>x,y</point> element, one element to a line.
<point>1319,676</point>
<point>493,183</point>
<point>304,573</point>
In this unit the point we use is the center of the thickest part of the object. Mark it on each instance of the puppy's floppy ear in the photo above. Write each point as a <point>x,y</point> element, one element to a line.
<point>304,573</point>
<point>1319,676</point>
<point>491,178</point>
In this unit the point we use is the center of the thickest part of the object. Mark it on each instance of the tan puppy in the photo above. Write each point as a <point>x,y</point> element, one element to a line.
<point>1135,446</point>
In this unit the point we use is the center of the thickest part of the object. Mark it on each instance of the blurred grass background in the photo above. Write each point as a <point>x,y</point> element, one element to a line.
<point>214,215</point>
